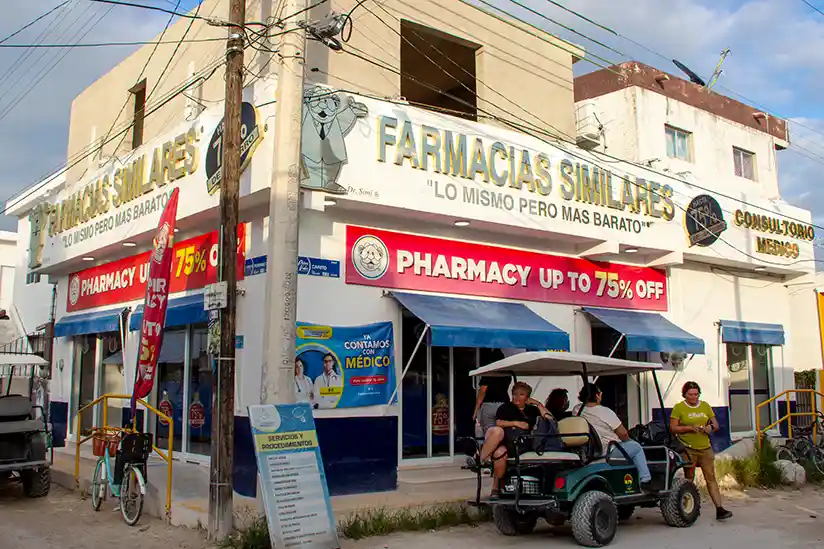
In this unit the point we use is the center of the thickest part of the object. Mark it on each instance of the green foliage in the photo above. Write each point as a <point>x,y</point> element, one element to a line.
<point>372,522</point>
<point>758,470</point>
<point>805,379</point>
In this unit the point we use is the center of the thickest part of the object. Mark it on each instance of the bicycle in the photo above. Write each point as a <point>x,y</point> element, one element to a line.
<point>802,448</point>
<point>127,481</point>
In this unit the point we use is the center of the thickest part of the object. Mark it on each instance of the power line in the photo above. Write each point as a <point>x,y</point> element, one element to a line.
<point>175,13</point>
<point>107,44</point>
<point>813,7</point>
<point>24,27</point>
<point>529,129</point>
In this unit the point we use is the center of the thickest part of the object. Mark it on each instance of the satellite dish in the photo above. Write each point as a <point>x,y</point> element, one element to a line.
<point>693,77</point>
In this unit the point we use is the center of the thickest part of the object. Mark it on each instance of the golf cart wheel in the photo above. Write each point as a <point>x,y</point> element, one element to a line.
<point>511,523</point>
<point>682,505</point>
<point>36,482</point>
<point>625,512</point>
<point>594,519</point>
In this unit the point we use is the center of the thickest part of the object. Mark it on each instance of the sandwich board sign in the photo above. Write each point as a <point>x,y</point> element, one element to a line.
<point>295,495</point>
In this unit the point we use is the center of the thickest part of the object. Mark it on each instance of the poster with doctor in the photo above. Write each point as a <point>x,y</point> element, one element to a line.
<point>344,366</point>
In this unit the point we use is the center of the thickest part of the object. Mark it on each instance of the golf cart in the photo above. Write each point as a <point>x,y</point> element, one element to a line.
<point>25,445</point>
<point>589,486</point>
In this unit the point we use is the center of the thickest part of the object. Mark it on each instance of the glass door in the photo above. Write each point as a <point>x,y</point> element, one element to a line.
<point>83,381</point>
<point>112,381</point>
<point>751,383</point>
<point>762,382</point>
<point>170,386</point>
<point>199,394</point>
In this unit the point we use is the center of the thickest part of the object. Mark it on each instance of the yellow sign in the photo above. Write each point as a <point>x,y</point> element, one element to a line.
<point>280,442</point>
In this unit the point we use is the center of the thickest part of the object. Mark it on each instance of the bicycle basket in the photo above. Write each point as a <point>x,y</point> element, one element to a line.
<point>136,447</point>
<point>101,441</point>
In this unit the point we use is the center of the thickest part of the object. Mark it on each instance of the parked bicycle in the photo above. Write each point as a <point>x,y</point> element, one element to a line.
<point>802,447</point>
<point>127,480</point>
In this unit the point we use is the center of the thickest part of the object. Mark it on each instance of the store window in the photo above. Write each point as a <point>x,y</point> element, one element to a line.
<point>184,391</point>
<point>679,143</point>
<point>744,162</point>
<point>750,369</point>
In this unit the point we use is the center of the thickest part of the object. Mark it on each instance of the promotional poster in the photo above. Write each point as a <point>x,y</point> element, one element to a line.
<point>344,366</point>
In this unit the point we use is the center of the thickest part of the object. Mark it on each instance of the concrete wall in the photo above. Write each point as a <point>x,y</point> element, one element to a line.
<point>524,71</point>
<point>634,120</point>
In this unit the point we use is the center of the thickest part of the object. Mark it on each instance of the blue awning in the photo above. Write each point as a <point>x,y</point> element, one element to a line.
<point>648,332</point>
<point>457,322</point>
<point>88,323</point>
<point>180,312</point>
<point>736,331</point>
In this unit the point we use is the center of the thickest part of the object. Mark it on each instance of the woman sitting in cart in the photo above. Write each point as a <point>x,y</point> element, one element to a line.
<point>513,419</point>
<point>610,429</point>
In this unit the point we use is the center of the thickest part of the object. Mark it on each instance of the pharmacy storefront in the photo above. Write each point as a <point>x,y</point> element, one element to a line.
<point>429,246</point>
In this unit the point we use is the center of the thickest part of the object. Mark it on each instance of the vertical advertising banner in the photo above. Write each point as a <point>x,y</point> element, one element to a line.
<point>344,366</point>
<point>295,494</point>
<point>154,306</point>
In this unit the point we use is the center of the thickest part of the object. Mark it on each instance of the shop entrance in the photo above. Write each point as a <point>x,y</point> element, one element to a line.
<point>751,372</point>
<point>184,392</point>
<point>622,394</point>
<point>437,394</point>
<point>83,381</point>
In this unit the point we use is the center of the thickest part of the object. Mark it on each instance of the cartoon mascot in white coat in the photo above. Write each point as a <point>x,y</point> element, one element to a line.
<point>328,117</point>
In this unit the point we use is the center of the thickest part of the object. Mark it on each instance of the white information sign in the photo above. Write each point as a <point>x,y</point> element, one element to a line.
<point>216,296</point>
<point>295,495</point>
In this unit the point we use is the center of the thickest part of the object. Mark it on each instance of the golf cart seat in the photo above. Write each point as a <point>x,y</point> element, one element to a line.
<point>588,446</point>
<point>16,416</point>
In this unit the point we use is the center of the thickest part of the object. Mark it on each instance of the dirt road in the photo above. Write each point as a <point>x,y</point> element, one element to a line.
<point>789,520</point>
<point>64,521</point>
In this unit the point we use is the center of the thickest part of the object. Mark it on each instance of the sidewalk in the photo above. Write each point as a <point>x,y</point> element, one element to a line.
<point>190,489</point>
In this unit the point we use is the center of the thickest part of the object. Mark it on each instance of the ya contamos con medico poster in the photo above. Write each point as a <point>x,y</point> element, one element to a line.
<point>344,366</point>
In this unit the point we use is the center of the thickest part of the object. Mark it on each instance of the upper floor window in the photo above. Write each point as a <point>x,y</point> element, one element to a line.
<point>678,143</point>
<point>32,278</point>
<point>744,163</point>
<point>139,113</point>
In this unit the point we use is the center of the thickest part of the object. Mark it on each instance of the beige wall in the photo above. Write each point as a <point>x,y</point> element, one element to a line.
<point>524,71</point>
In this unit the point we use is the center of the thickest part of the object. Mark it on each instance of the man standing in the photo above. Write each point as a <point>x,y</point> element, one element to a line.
<point>328,386</point>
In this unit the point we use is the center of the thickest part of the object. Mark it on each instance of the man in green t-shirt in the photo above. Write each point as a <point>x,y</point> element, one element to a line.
<point>692,421</point>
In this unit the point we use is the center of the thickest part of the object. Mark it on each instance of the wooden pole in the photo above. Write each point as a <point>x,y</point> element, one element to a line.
<point>223,399</point>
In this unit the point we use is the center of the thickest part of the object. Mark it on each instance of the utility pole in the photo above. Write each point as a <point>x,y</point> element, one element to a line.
<point>223,399</point>
<point>277,378</point>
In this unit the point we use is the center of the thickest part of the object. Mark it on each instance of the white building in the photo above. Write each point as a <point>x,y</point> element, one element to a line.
<point>451,231</point>
<point>716,145</point>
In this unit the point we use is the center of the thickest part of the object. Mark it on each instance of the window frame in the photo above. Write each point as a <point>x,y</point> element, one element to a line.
<point>751,155</point>
<point>688,138</point>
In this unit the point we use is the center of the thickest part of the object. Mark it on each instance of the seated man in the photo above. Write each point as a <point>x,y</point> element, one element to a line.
<point>513,419</point>
<point>610,429</point>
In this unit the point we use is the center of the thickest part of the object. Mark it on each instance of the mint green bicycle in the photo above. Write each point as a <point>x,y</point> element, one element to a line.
<point>127,480</point>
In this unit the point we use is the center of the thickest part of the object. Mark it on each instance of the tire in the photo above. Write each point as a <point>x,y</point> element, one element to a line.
<point>36,482</point>
<point>594,519</point>
<point>816,456</point>
<point>625,512</point>
<point>99,485</point>
<point>682,506</point>
<point>131,495</point>
<point>511,523</point>
<point>784,453</point>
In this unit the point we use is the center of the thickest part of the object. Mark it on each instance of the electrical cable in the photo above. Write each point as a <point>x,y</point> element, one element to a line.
<point>24,27</point>
<point>813,7</point>
<point>107,44</point>
<point>530,131</point>
<point>175,13</point>
<point>54,65</point>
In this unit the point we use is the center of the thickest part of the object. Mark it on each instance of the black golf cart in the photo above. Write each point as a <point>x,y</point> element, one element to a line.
<point>590,486</point>
<point>25,437</point>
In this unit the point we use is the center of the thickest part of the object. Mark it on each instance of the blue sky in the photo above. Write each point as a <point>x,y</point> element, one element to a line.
<point>776,60</point>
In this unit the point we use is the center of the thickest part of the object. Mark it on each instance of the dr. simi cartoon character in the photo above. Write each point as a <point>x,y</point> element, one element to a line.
<point>328,117</point>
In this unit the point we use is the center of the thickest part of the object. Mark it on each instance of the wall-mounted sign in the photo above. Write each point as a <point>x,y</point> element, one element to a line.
<point>194,265</point>
<point>704,221</point>
<point>313,266</point>
<point>780,227</point>
<point>255,265</point>
<point>107,197</point>
<point>251,134</point>
<point>348,365</point>
<point>401,261</point>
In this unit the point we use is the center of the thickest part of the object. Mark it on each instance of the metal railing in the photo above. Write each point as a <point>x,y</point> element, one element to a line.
<point>813,413</point>
<point>106,429</point>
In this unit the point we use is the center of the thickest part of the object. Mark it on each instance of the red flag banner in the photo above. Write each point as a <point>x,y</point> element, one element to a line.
<point>154,307</point>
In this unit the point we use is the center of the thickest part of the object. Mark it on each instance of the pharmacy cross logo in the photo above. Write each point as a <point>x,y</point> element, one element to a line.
<point>370,257</point>
<point>328,117</point>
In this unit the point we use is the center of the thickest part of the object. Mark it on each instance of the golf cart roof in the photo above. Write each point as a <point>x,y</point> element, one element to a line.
<point>553,363</point>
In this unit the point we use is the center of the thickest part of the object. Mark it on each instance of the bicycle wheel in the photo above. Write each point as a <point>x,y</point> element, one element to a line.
<point>99,484</point>
<point>131,495</point>
<point>785,453</point>
<point>816,456</point>
<point>801,447</point>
